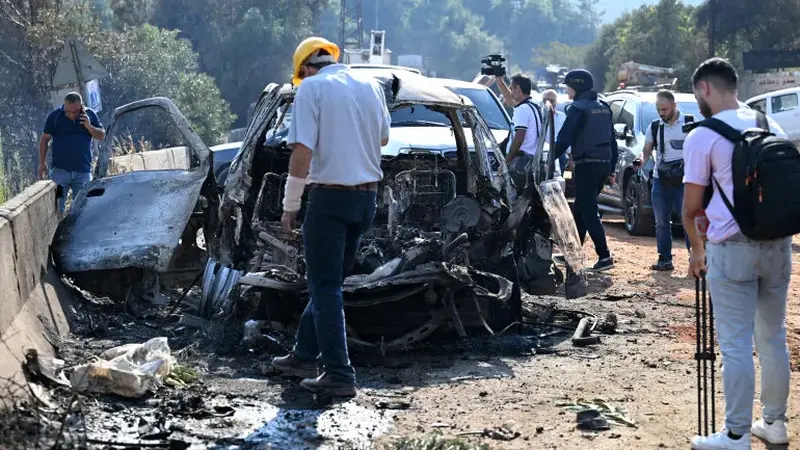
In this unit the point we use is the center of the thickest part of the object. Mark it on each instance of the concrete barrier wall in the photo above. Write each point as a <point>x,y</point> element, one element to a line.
<point>31,294</point>
<point>168,158</point>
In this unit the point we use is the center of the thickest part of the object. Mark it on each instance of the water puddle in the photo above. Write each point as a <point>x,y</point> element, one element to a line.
<point>252,425</point>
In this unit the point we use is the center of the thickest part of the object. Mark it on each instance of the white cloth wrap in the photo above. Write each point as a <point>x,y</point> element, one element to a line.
<point>293,193</point>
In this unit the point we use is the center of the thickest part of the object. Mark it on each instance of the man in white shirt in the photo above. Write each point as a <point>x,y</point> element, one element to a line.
<point>748,280</point>
<point>339,122</point>
<point>528,126</point>
<point>667,191</point>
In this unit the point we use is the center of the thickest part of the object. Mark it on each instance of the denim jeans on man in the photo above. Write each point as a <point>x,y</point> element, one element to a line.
<point>66,180</point>
<point>667,200</point>
<point>748,283</point>
<point>334,223</point>
<point>589,179</point>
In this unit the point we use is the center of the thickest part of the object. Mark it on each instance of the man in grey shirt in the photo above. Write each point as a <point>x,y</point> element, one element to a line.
<point>339,123</point>
<point>665,135</point>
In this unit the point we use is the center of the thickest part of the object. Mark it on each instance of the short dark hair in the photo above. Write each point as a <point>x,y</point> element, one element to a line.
<point>524,83</point>
<point>719,72</point>
<point>320,65</point>
<point>666,95</point>
<point>73,97</point>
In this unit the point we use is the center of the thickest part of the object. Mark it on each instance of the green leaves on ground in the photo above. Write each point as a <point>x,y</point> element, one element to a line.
<point>614,414</point>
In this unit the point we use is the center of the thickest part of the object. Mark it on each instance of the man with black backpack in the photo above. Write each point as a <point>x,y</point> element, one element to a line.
<point>528,124</point>
<point>666,136</point>
<point>748,183</point>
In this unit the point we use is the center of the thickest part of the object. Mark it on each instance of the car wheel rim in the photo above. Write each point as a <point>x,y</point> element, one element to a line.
<point>630,206</point>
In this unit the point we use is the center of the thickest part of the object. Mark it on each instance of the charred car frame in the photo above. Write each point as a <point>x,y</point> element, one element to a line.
<point>452,246</point>
<point>444,249</point>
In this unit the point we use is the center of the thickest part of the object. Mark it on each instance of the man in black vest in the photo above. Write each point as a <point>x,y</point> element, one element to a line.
<point>589,130</point>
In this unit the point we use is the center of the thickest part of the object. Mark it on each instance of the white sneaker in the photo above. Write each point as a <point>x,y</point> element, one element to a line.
<point>773,434</point>
<point>721,441</point>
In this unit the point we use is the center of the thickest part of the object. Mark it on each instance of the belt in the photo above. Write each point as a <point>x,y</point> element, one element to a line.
<point>590,160</point>
<point>358,187</point>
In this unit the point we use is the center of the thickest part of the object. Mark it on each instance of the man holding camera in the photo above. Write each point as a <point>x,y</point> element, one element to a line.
<point>528,124</point>
<point>666,136</point>
<point>589,131</point>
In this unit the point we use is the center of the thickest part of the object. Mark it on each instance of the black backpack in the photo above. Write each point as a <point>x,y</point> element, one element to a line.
<point>670,174</point>
<point>766,180</point>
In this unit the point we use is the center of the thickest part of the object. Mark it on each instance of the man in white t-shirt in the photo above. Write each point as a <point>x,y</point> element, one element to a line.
<point>528,125</point>
<point>748,280</point>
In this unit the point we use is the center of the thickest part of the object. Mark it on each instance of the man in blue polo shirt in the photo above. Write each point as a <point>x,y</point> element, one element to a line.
<point>71,128</point>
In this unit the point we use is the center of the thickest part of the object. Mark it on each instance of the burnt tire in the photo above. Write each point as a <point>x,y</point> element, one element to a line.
<point>637,221</point>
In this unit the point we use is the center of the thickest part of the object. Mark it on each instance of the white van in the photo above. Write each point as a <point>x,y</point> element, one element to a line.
<point>784,107</point>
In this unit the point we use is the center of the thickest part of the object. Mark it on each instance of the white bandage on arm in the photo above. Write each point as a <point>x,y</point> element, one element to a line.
<point>293,193</point>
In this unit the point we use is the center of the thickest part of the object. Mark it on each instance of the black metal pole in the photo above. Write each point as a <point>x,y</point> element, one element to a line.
<point>698,356</point>
<point>713,356</point>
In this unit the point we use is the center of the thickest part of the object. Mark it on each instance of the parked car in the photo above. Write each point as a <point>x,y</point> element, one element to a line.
<point>222,155</point>
<point>384,67</point>
<point>632,113</point>
<point>783,106</point>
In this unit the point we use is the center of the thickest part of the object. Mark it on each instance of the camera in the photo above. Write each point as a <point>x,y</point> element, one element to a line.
<point>492,65</point>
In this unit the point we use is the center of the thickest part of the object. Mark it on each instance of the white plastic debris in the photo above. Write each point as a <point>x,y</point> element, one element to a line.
<point>128,370</point>
<point>253,330</point>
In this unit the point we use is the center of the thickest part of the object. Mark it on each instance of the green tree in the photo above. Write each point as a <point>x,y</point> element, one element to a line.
<point>661,35</point>
<point>131,12</point>
<point>243,44</point>
<point>559,53</point>
<point>147,61</point>
<point>142,62</point>
<point>763,25</point>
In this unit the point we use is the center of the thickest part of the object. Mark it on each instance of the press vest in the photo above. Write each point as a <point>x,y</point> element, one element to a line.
<point>593,139</point>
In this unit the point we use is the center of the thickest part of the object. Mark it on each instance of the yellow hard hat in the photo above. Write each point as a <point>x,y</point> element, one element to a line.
<point>306,49</point>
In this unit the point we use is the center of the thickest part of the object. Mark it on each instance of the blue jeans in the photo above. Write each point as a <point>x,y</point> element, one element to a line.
<point>666,201</point>
<point>588,180</point>
<point>334,223</point>
<point>748,283</point>
<point>66,180</point>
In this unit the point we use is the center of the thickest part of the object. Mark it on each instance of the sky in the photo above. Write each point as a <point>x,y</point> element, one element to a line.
<point>615,8</point>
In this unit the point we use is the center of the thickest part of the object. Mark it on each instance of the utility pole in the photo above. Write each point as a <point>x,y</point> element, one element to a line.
<point>350,16</point>
<point>712,11</point>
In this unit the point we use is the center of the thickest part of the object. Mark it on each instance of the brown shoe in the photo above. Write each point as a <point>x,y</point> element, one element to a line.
<point>290,365</point>
<point>324,386</point>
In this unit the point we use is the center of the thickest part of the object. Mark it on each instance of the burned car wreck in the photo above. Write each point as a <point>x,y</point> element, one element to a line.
<point>445,250</point>
<point>453,246</point>
<point>134,229</point>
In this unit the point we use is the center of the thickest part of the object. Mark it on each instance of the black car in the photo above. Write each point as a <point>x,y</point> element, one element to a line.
<point>633,112</point>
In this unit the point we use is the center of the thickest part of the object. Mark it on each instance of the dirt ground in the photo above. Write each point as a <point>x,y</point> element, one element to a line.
<point>648,369</point>
<point>459,388</point>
